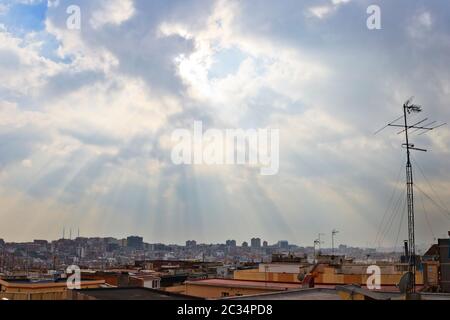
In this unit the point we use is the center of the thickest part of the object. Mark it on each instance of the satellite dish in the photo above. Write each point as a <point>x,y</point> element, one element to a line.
<point>405,282</point>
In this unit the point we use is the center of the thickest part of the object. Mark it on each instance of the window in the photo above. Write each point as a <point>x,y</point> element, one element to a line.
<point>225,294</point>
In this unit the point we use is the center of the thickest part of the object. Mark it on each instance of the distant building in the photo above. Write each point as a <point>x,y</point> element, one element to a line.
<point>110,240</point>
<point>255,243</point>
<point>160,247</point>
<point>39,242</point>
<point>231,243</point>
<point>283,244</point>
<point>265,244</point>
<point>123,242</point>
<point>135,242</point>
<point>111,247</point>
<point>191,244</point>
<point>245,244</point>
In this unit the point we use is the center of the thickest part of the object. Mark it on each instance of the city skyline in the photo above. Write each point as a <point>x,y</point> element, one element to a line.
<point>87,114</point>
<point>239,243</point>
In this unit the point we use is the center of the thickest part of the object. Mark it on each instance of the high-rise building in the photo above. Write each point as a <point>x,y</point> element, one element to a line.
<point>256,243</point>
<point>244,244</point>
<point>265,244</point>
<point>230,243</point>
<point>191,243</point>
<point>135,242</point>
<point>283,244</point>
<point>38,242</point>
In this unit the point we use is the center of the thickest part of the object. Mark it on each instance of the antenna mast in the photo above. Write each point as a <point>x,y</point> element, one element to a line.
<point>409,108</point>
<point>320,240</point>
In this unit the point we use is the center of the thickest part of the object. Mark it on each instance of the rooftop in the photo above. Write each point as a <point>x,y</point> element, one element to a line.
<point>299,294</point>
<point>130,294</point>
<point>246,284</point>
<point>35,284</point>
<point>322,294</point>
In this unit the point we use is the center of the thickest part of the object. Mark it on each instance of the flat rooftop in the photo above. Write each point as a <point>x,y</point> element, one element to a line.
<point>136,293</point>
<point>27,283</point>
<point>246,284</point>
<point>31,281</point>
<point>300,294</point>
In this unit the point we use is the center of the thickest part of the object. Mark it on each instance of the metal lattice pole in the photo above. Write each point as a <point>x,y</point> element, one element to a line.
<point>410,201</point>
<point>422,128</point>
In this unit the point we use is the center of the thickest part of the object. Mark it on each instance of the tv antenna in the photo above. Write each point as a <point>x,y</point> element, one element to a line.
<point>422,127</point>
<point>320,240</point>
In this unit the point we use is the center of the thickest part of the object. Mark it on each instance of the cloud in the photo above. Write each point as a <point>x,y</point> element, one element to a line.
<point>86,116</point>
<point>23,69</point>
<point>324,10</point>
<point>112,12</point>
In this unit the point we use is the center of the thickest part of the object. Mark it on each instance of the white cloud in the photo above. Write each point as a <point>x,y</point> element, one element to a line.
<point>425,19</point>
<point>322,11</point>
<point>23,69</point>
<point>420,26</point>
<point>84,57</point>
<point>287,71</point>
<point>113,12</point>
<point>27,163</point>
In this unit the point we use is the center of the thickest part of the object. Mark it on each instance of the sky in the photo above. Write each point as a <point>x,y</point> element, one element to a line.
<point>86,118</point>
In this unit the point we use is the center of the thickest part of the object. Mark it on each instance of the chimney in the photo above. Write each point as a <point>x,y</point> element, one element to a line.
<point>406,249</point>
